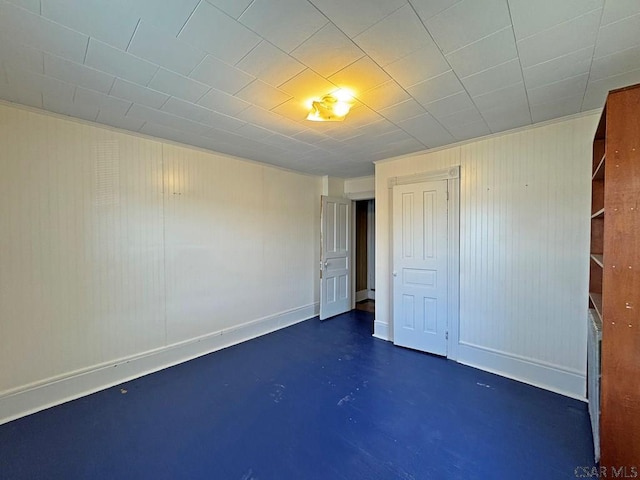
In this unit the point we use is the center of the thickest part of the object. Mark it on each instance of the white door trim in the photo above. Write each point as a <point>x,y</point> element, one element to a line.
<point>452,175</point>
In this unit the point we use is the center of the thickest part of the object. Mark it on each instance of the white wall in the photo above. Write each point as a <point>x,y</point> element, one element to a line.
<point>122,250</point>
<point>524,250</point>
<point>360,188</point>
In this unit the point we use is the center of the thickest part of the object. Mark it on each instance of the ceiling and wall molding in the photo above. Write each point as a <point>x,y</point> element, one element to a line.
<point>236,77</point>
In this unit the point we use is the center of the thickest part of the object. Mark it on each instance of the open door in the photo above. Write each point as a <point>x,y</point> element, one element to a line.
<point>335,258</point>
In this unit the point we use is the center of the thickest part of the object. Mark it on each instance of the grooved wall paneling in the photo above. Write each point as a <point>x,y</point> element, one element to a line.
<point>113,246</point>
<point>524,232</point>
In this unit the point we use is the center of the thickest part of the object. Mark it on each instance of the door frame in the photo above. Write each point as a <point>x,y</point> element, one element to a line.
<point>452,175</point>
<point>366,195</point>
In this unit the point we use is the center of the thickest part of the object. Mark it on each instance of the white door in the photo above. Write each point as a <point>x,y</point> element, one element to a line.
<point>335,258</point>
<point>420,266</point>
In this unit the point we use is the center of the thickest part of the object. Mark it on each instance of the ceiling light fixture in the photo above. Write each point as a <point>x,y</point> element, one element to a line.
<point>331,108</point>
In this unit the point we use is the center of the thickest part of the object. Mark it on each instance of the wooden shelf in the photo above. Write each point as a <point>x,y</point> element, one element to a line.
<point>599,259</point>
<point>596,299</point>
<point>598,174</point>
<point>618,418</point>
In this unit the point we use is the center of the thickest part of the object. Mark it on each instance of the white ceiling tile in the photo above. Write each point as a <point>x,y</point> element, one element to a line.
<point>33,5</point>
<point>260,116</point>
<point>512,95</point>
<point>556,108</point>
<point>72,109</point>
<point>597,90</point>
<point>163,49</point>
<point>293,109</point>
<point>138,94</point>
<point>384,95</point>
<point>184,109</point>
<point>619,9</point>
<point>127,123</point>
<point>467,22</point>
<point>165,119</point>
<point>270,64</point>
<point>178,86</point>
<point>394,37</point>
<point>327,51</point>
<point>530,17</point>
<point>618,36</point>
<point>233,8</point>
<point>308,85</point>
<point>429,8</point>
<point>343,131</point>
<point>469,130</point>
<point>33,30</point>
<point>361,115</point>
<point>286,126</point>
<point>21,95</point>
<point>493,78</point>
<point>310,136</point>
<point>568,37</point>
<point>253,132</point>
<point>219,75</point>
<point>18,55</point>
<point>570,65</point>
<point>360,76</point>
<point>470,115</point>
<point>381,127</point>
<point>507,117</point>
<point>170,16</point>
<point>267,17</point>
<point>84,96</point>
<point>76,73</point>
<point>427,130</point>
<point>493,50</point>
<point>437,87</point>
<point>418,66</point>
<point>118,63</point>
<point>31,81</point>
<point>569,87</point>
<point>263,95</point>
<point>221,121</point>
<point>403,111</point>
<point>95,18</point>
<point>615,64</point>
<point>229,40</point>
<point>355,16</point>
<point>449,105</point>
<point>223,102</point>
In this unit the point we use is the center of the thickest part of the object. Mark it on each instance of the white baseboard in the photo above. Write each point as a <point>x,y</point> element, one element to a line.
<point>33,398</point>
<point>361,295</point>
<point>549,377</point>
<point>381,330</point>
<point>371,294</point>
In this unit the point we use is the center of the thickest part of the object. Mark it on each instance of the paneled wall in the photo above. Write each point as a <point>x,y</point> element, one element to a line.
<point>115,248</point>
<point>524,233</point>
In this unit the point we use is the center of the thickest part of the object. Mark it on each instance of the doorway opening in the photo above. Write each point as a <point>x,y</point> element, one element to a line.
<point>364,238</point>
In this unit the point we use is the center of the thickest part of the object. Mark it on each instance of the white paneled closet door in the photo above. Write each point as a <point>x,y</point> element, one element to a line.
<point>420,266</point>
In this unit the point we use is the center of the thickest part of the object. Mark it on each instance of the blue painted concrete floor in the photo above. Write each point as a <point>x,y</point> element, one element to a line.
<point>319,400</point>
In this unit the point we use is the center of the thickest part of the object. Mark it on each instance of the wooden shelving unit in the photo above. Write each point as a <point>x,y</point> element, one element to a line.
<point>614,278</point>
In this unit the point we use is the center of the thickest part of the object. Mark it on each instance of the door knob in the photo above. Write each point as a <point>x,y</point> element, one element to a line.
<point>326,264</point>
<point>395,274</point>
